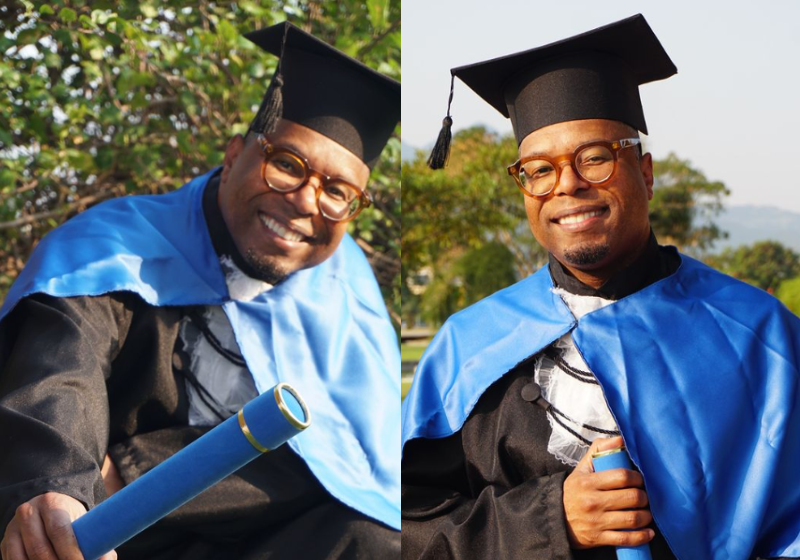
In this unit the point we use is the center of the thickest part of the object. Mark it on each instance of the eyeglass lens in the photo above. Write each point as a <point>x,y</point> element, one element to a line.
<point>595,164</point>
<point>286,172</point>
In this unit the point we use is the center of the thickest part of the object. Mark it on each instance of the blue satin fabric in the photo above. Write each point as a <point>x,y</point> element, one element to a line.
<point>701,373</point>
<point>324,330</point>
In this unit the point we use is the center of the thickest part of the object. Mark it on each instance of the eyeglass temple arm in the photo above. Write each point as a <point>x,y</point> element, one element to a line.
<point>628,142</point>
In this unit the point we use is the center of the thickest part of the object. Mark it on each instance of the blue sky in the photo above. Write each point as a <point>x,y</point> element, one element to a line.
<point>733,109</point>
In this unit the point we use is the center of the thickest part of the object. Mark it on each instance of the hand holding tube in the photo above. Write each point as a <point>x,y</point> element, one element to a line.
<point>605,508</point>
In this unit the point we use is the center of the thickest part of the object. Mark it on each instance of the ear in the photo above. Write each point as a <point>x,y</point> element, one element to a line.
<point>646,167</point>
<point>232,153</point>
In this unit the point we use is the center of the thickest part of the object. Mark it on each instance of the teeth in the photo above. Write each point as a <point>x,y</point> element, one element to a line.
<point>575,218</point>
<point>281,231</point>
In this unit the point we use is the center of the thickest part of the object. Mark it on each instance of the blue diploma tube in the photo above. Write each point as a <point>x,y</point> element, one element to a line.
<point>618,459</point>
<point>263,424</point>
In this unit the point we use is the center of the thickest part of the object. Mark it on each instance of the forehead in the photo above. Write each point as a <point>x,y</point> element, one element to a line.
<point>323,154</point>
<point>564,137</point>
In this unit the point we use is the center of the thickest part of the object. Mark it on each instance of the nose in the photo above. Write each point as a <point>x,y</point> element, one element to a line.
<point>569,182</point>
<point>304,199</point>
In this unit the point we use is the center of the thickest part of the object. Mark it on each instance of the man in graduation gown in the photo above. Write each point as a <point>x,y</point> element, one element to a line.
<point>618,340</point>
<point>142,323</point>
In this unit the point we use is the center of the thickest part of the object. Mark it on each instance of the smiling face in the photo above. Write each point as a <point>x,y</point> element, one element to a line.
<point>280,233</point>
<point>595,231</point>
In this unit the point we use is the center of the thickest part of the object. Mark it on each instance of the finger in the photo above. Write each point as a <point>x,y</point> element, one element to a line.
<point>600,444</point>
<point>58,525</point>
<point>109,556</point>
<point>625,520</point>
<point>618,478</point>
<point>12,548</point>
<point>34,537</point>
<point>605,444</point>
<point>625,538</point>
<point>627,498</point>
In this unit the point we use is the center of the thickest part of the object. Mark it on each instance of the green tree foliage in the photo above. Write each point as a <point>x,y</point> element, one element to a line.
<point>765,264</point>
<point>468,205</point>
<point>478,273</point>
<point>104,99</point>
<point>684,205</point>
<point>789,294</point>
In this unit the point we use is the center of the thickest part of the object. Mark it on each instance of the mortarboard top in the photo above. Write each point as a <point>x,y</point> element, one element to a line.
<point>594,75</point>
<point>328,91</point>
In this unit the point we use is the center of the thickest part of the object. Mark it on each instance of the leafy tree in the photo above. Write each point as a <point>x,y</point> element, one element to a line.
<point>466,205</point>
<point>450,215</point>
<point>104,99</point>
<point>789,294</point>
<point>765,264</point>
<point>684,205</point>
<point>485,270</point>
<point>476,274</point>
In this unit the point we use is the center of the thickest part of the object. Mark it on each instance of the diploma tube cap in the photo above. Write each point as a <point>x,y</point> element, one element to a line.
<point>292,406</point>
<point>269,422</point>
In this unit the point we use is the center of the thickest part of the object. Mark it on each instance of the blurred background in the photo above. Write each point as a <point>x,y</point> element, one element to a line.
<point>723,133</point>
<point>102,99</point>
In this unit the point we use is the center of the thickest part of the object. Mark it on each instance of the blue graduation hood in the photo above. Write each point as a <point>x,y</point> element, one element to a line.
<point>701,373</point>
<point>324,330</point>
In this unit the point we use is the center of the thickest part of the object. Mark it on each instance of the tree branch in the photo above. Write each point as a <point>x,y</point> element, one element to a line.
<point>377,39</point>
<point>25,220</point>
<point>29,187</point>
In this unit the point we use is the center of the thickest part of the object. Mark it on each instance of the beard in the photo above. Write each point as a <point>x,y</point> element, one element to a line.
<point>586,255</point>
<point>265,268</point>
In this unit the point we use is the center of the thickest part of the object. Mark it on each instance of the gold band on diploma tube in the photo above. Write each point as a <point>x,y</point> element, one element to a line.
<point>293,420</point>
<point>246,431</point>
<point>608,452</point>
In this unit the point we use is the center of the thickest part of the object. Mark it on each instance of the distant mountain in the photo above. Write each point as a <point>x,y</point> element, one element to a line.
<point>747,224</point>
<point>407,152</point>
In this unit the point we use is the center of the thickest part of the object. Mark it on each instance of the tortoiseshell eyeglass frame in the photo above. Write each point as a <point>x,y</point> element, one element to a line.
<point>614,146</point>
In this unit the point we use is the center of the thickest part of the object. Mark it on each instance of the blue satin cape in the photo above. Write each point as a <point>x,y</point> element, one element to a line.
<point>324,330</point>
<point>701,373</point>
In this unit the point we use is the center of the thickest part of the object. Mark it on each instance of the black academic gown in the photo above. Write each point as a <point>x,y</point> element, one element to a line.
<point>492,490</point>
<point>83,376</point>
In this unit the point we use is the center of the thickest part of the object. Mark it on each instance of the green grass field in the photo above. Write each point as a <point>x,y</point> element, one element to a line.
<point>411,352</point>
<point>405,385</point>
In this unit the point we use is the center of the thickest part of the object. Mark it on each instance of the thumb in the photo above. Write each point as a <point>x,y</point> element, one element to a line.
<point>598,445</point>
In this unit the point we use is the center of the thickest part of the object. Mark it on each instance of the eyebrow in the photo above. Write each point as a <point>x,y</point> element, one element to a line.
<point>573,149</point>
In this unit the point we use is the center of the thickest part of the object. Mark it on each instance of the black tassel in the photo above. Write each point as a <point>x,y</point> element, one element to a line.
<point>271,110</point>
<point>441,150</point>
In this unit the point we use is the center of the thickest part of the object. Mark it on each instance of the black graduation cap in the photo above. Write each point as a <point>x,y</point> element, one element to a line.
<point>322,88</point>
<point>594,75</point>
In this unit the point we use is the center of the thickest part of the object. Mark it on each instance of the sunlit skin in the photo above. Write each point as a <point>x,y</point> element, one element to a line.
<point>623,225</point>
<point>245,200</point>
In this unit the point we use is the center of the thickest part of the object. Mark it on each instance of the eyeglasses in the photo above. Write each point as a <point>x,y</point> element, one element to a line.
<point>285,171</point>
<point>594,162</point>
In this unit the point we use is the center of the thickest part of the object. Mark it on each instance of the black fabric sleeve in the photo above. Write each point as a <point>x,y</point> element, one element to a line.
<point>55,356</point>
<point>444,518</point>
<point>274,487</point>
